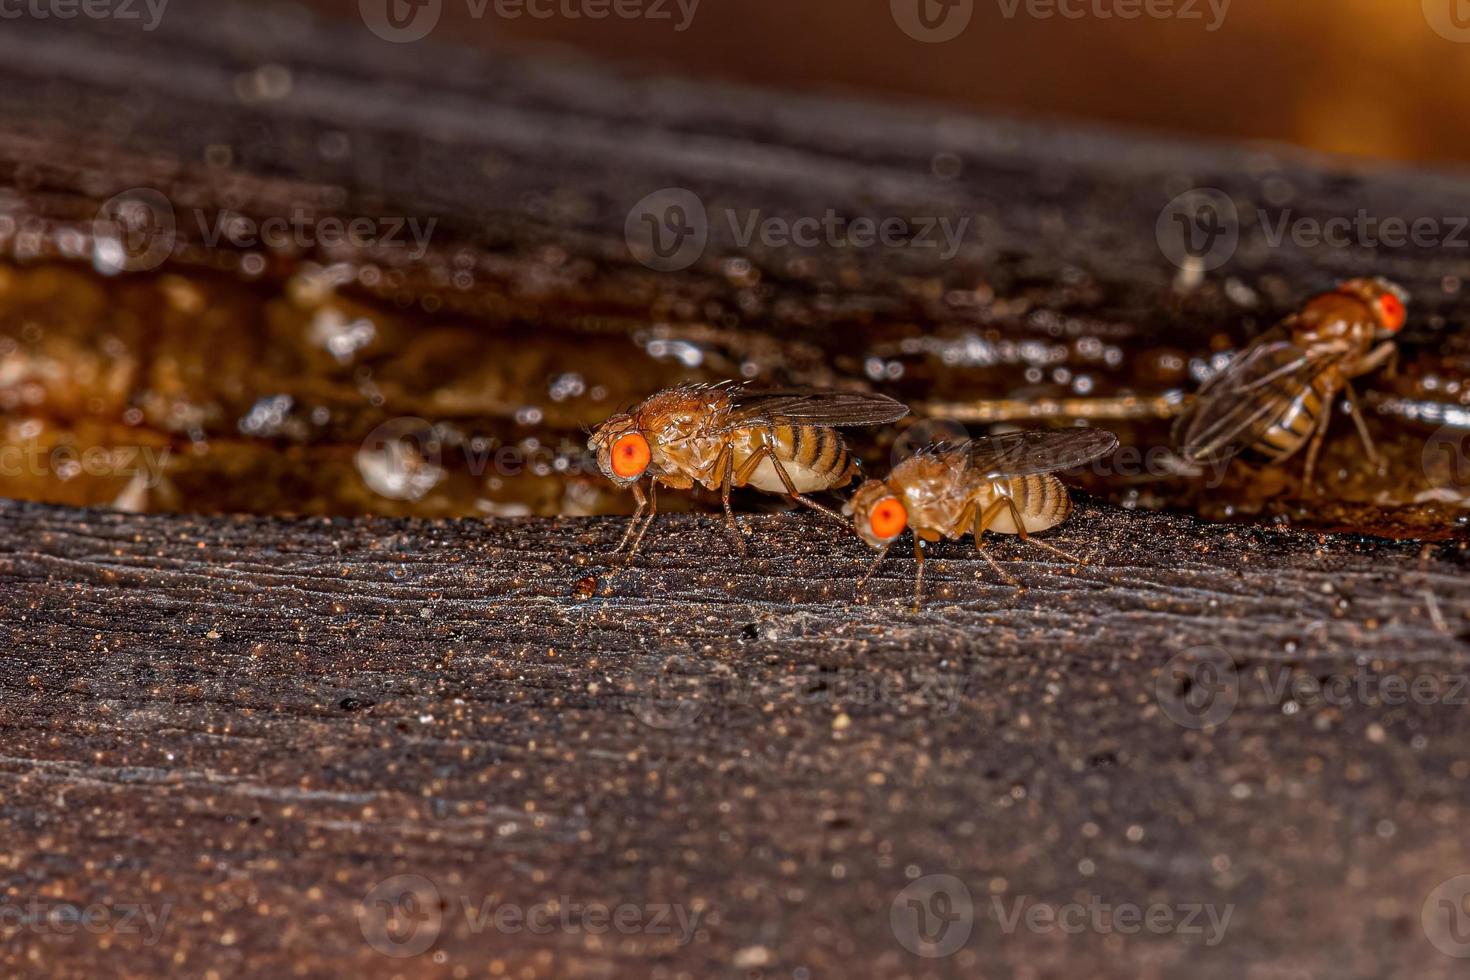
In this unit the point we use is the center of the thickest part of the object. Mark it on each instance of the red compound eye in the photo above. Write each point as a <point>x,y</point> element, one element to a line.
<point>630,456</point>
<point>1391,312</point>
<point>888,518</point>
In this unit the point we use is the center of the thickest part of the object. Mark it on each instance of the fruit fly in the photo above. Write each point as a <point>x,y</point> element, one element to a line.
<point>999,483</point>
<point>723,437</point>
<point>1276,395</point>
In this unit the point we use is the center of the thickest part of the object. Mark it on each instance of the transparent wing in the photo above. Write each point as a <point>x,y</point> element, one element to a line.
<point>813,406</point>
<point>1038,451</point>
<point>1254,392</point>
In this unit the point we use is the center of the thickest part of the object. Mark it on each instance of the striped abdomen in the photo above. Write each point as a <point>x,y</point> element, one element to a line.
<point>1296,425</point>
<point>1042,500</point>
<point>813,456</point>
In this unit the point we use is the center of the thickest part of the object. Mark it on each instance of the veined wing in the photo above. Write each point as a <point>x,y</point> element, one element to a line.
<point>1038,451</point>
<point>812,406</point>
<point>1255,392</point>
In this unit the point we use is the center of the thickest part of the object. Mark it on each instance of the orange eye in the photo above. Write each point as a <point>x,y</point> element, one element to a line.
<point>887,519</point>
<point>630,455</point>
<point>1391,312</point>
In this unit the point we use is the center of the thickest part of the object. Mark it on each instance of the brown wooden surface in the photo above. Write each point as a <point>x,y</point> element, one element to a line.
<point>256,721</point>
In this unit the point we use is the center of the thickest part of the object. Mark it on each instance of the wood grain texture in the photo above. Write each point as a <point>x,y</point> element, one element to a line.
<point>257,721</point>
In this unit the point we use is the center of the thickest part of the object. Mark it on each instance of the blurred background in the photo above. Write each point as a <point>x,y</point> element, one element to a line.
<point>1379,78</point>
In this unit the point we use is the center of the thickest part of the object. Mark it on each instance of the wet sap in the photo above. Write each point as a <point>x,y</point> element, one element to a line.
<point>315,390</point>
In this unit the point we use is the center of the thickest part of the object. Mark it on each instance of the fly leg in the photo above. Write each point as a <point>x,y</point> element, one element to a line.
<point>637,516</point>
<point>1021,530</point>
<point>764,452</point>
<point>650,503</point>
<point>919,575</point>
<point>1361,423</point>
<point>727,480</point>
<point>882,554</point>
<point>982,521</point>
<point>648,523</point>
<point>1314,449</point>
<point>1385,353</point>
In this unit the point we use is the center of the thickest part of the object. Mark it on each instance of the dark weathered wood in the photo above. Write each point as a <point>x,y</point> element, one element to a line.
<point>255,721</point>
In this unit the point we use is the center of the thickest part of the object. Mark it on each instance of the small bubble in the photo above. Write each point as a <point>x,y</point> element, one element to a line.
<point>564,386</point>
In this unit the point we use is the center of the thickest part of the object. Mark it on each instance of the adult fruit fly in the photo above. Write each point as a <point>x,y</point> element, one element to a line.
<point>722,437</point>
<point>998,483</point>
<point>1276,395</point>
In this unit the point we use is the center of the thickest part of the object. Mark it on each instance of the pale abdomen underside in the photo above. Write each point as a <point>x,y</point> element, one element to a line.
<point>814,457</point>
<point>1041,499</point>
